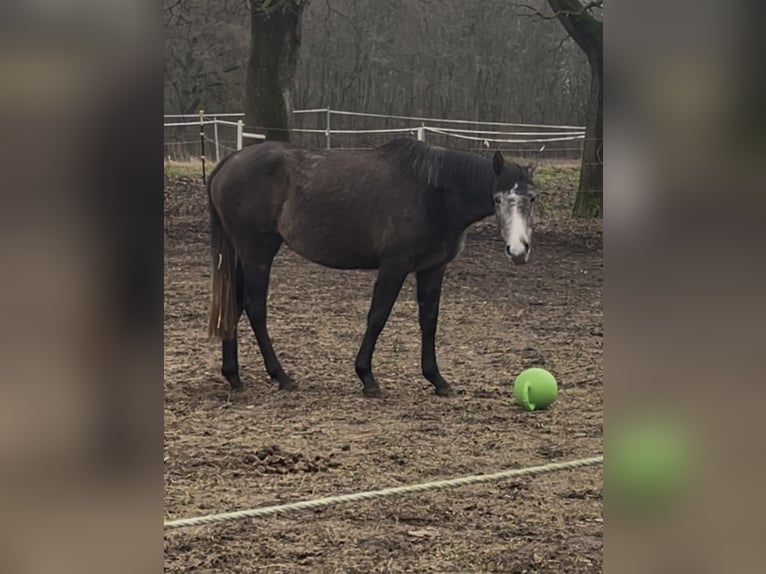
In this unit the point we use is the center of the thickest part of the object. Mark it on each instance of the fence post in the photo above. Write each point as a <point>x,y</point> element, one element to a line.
<point>217,143</point>
<point>327,127</point>
<point>202,141</point>
<point>240,129</point>
<point>422,133</point>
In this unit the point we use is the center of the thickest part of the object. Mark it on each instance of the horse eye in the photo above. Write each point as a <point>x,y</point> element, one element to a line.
<point>497,199</point>
<point>532,199</point>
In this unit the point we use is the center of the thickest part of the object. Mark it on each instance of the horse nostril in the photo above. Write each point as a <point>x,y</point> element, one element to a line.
<point>525,243</point>
<point>508,250</point>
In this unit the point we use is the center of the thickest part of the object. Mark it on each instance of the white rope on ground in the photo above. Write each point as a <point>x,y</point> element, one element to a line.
<point>436,485</point>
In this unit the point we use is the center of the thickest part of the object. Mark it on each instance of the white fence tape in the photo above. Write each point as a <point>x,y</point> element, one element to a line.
<point>515,137</point>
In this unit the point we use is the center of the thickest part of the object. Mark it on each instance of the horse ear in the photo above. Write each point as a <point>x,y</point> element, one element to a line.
<point>531,167</point>
<point>497,162</point>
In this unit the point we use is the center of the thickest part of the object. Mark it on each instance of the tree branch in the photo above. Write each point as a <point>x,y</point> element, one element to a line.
<point>560,43</point>
<point>173,5</point>
<point>584,29</point>
<point>533,11</point>
<point>332,10</point>
<point>583,9</point>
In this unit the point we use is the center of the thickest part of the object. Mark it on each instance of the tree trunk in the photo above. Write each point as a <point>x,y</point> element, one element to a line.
<point>275,37</point>
<point>587,32</point>
<point>590,195</point>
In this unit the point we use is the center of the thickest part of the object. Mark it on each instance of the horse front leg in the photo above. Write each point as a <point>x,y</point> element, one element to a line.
<point>389,282</point>
<point>429,287</point>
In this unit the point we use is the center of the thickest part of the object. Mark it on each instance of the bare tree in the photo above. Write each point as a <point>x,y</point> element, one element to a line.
<point>436,58</point>
<point>587,31</point>
<point>275,39</point>
<point>205,53</point>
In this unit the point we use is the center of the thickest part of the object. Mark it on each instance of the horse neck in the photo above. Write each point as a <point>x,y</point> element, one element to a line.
<point>473,194</point>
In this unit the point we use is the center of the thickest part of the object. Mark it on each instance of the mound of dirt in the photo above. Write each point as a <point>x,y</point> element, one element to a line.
<point>274,460</point>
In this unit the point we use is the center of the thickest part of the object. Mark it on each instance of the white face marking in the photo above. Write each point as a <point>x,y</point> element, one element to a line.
<point>515,227</point>
<point>518,234</point>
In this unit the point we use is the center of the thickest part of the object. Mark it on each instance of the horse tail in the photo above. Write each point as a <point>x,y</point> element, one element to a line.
<point>222,314</point>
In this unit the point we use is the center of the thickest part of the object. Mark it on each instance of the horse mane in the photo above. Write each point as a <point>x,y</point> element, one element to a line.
<point>438,167</point>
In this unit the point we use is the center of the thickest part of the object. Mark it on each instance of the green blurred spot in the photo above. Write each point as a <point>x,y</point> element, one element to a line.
<point>648,466</point>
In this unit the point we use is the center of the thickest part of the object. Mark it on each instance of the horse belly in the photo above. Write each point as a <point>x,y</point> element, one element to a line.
<point>336,242</point>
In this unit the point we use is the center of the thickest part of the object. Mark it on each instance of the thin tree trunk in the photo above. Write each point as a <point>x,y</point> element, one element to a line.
<point>590,195</point>
<point>587,32</point>
<point>275,36</point>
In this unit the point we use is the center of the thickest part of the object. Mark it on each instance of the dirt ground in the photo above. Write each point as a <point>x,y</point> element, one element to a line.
<point>228,451</point>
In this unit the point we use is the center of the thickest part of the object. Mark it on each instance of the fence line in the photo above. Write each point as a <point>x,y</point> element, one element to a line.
<point>440,120</point>
<point>392,117</point>
<point>474,138</point>
<point>552,134</point>
<point>314,111</point>
<point>197,123</point>
<point>378,131</point>
<point>205,119</point>
<point>385,492</point>
<point>196,115</point>
<point>184,142</point>
<point>226,123</point>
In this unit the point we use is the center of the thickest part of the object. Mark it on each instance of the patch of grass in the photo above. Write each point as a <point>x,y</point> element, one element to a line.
<point>556,175</point>
<point>557,183</point>
<point>190,168</point>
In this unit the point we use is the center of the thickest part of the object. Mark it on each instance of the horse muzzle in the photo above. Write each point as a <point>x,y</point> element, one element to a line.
<point>518,258</point>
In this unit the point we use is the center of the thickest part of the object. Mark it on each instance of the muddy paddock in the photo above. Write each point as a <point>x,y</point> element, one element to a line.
<point>228,451</point>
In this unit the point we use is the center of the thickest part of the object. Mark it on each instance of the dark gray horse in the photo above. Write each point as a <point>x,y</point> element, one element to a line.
<point>400,208</point>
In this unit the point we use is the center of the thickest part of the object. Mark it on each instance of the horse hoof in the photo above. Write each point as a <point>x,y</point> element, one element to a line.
<point>372,392</point>
<point>288,385</point>
<point>445,391</point>
<point>235,384</point>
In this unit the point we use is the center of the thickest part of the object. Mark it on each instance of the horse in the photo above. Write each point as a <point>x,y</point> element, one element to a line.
<point>400,208</point>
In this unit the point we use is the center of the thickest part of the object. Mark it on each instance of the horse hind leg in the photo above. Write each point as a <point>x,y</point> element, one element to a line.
<point>229,358</point>
<point>257,271</point>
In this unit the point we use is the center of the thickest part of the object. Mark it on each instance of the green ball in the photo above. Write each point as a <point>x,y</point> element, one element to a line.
<point>535,389</point>
<point>649,465</point>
